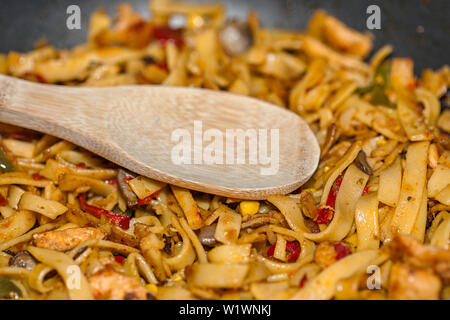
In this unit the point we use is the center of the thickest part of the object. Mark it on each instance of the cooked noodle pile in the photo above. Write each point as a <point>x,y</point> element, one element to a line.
<point>372,223</point>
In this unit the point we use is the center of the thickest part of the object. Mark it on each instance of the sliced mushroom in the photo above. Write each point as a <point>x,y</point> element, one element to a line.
<point>236,37</point>
<point>206,235</point>
<point>362,164</point>
<point>122,179</point>
<point>23,259</point>
<point>331,137</point>
<point>308,205</point>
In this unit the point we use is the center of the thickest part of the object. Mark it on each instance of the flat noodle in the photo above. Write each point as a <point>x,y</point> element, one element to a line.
<point>62,263</point>
<point>323,286</point>
<point>390,184</point>
<point>413,184</point>
<point>379,197</point>
<point>366,219</point>
<point>442,233</point>
<point>290,210</point>
<point>351,189</point>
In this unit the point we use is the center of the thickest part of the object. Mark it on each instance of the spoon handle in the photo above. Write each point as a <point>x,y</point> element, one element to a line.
<point>44,108</point>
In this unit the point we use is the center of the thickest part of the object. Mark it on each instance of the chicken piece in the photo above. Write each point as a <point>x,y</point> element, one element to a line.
<point>63,240</point>
<point>108,284</point>
<point>325,254</point>
<point>409,283</point>
<point>409,250</point>
<point>328,253</point>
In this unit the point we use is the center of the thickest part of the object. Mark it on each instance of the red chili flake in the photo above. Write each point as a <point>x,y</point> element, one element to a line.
<point>37,176</point>
<point>366,190</point>
<point>162,66</point>
<point>115,218</point>
<point>342,250</point>
<point>81,165</point>
<point>127,178</point>
<point>119,259</point>
<point>112,182</point>
<point>166,34</point>
<point>146,200</point>
<point>293,250</point>
<point>325,215</point>
<point>303,281</point>
<point>3,201</point>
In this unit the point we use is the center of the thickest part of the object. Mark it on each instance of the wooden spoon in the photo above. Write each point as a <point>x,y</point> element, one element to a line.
<point>136,128</point>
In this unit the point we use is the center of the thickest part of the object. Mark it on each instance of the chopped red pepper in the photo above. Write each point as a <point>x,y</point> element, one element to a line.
<point>81,165</point>
<point>3,201</point>
<point>342,250</point>
<point>303,281</point>
<point>115,218</point>
<point>270,251</point>
<point>127,178</point>
<point>23,136</point>
<point>146,200</point>
<point>292,248</point>
<point>119,259</point>
<point>366,190</point>
<point>37,176</point>
<point>325,215</point>
<point>112,182</point>
<point>331,200</point>
<point>166,34</point>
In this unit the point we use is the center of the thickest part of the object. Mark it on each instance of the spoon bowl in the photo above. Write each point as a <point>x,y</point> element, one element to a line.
<point>209,141</point>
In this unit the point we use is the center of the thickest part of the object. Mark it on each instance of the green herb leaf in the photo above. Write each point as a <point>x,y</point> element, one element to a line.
<point>379,85</point>
<point>8,288</point>
<point>127,213</point>
<point>5,164</point>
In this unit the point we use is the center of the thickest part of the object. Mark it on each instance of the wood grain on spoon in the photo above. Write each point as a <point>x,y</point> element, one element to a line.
<point>132,126</point>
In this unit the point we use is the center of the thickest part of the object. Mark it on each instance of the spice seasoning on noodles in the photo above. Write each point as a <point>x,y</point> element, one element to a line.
<point>380,195</point>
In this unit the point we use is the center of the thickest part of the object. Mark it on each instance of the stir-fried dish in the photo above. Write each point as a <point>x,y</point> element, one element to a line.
<point>372,223</point>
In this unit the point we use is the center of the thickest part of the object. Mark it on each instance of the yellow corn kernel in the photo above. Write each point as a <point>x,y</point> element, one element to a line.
<point>249,207</point>
<point>326,169</point>
<point>312,190</point>
<point>381,142</point>
<point>195,21</point>
<point>152,288</point>
<point>353,240</point>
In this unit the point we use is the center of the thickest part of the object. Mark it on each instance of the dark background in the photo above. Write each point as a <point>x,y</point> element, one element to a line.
<point>23,22</point>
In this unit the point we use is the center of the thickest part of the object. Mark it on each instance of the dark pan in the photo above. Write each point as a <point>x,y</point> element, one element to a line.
<point>419,29</point>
